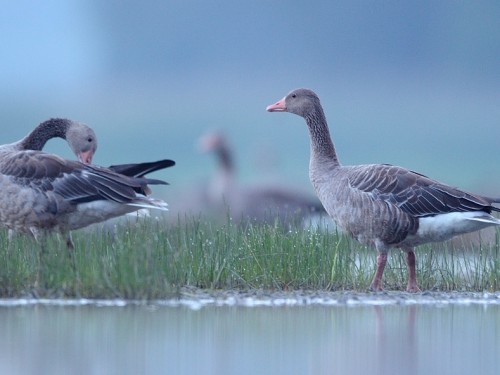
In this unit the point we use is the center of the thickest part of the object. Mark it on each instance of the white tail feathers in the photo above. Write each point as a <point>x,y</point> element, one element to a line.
<point>486,218</point>
<point>153,203</point>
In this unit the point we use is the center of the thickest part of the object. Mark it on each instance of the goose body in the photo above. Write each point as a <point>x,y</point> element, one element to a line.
<point>45,193</point>
<point>381,205</point>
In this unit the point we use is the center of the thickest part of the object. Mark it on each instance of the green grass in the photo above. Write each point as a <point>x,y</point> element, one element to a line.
<point>152,259</point>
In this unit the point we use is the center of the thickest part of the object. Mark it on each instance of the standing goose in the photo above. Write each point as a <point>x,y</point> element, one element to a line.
<point>45,193</point>
<point>381,205</point>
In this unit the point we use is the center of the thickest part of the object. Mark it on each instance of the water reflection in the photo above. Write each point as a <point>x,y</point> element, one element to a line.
<point>342,339</point>
<point>395,337</point>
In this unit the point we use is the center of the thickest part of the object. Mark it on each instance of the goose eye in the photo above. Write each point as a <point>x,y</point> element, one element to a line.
<point>294,95</point>
<point>89,140</point>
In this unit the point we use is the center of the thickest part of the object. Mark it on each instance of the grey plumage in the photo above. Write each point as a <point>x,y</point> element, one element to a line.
<point>45,193</point>
<point>382,205</point>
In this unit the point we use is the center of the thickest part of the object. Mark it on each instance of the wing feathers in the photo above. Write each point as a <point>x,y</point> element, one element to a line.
<point>142,169</point>
<point>414,193</point>
<point>73,181</point>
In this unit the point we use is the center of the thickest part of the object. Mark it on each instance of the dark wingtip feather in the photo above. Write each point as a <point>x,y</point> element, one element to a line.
<point>153,181</point>
<point>142,169</point>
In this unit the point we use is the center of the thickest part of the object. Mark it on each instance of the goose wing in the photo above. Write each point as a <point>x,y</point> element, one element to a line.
<point>414,193</point>
<point>73,181</point>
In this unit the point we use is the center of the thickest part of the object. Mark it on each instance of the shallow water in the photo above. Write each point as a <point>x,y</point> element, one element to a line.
<point>254,334</point>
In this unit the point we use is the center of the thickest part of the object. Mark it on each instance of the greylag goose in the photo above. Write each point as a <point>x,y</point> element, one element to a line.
<point>45,193</point>
<point>262,204</point>
<point>381,205</point>
<point>83,142</point>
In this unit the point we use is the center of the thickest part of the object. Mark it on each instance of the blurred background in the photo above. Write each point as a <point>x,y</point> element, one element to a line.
<point>415,84</point>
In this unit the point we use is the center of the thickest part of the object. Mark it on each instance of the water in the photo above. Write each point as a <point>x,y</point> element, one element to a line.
<point>376,336</point>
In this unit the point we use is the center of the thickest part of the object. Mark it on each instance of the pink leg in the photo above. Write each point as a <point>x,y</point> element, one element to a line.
<point>412,286</point>
<point>377,279</point>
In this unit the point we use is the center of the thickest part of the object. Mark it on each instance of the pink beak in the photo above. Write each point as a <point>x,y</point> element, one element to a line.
<point>277,107</point>
<point>85,157</point>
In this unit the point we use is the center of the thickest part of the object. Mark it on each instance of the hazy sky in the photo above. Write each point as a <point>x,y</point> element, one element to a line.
<point>409,83</point>
<point>67,43</point>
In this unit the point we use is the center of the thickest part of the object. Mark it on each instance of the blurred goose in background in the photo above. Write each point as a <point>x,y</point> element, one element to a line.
<point>44,193</point>
<point>381,205</point>
<point>264,204</point>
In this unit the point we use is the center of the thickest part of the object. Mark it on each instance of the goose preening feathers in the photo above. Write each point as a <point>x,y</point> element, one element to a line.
<point>45,193</point>
<point>381,205</point>
<point>83,142</point>
<point>81,138</point>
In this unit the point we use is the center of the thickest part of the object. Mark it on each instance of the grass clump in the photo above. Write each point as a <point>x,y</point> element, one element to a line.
<point>151,259</point>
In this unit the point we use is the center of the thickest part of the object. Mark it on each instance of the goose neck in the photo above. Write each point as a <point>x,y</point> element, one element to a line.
<point>322,147</point>
<point>225,160</point>
<point>37,139</point>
